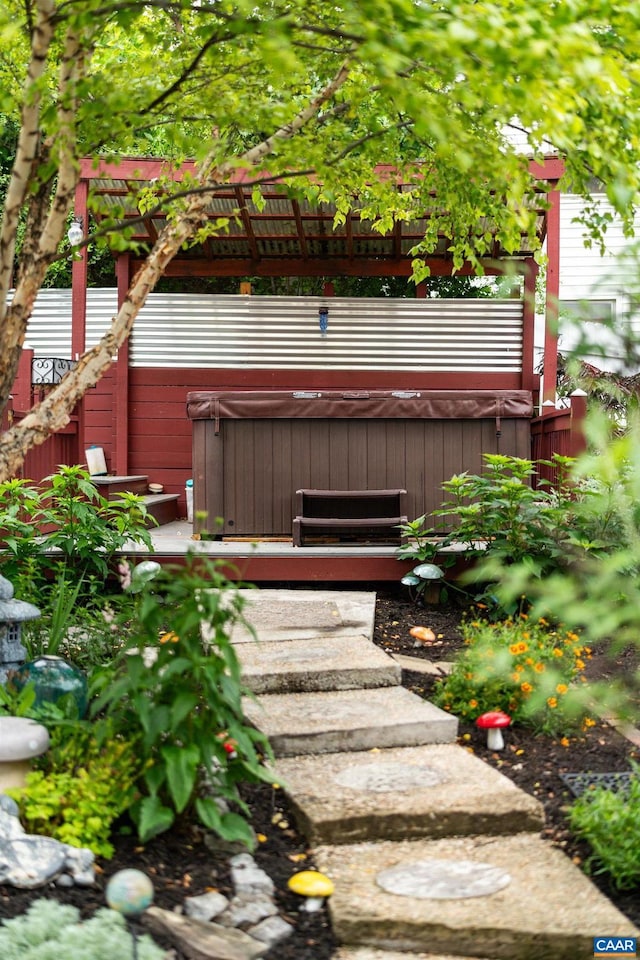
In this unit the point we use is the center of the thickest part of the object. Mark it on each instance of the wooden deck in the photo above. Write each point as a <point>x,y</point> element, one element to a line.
<point>276,560</point>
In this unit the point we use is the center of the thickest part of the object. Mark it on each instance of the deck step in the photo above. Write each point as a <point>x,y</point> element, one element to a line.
<point>512,898</point>
<point>162,506</point>
<point>428,791</point>
<point>337,721</point>
<point>114,486</point>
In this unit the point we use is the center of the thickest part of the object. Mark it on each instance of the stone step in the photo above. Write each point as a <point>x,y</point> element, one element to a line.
<point>427,791</point>
<point>338,721</point>
<point>509,898</point>
<point>322,663</point>
<point>306,614</point>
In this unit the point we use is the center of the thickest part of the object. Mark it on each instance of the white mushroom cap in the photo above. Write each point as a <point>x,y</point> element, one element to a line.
<point>21,739</point>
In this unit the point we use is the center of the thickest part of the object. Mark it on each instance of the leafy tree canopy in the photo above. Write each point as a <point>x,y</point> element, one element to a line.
<point>316,95</point>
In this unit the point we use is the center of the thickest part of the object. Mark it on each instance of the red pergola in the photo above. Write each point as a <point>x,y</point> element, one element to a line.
<point>285,236</point>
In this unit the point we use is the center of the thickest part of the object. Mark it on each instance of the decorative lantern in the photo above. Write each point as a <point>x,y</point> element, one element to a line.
<point>13,613</point>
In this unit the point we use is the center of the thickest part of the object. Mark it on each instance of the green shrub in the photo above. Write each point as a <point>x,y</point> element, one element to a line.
<point>610,822</point>
<point>65,524</point>
<point>522,668</point>
<point>85,782</point>
<point>50,930</point>
<point>502,516</point>
<point>177,690</point>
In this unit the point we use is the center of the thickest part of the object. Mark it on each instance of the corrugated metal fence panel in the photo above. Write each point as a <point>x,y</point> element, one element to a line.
<point>200,331</point>
<point>367,334</point>
<point>49,329</point>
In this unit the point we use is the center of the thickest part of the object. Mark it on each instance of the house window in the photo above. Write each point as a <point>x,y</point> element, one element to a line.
<point>602,311</point>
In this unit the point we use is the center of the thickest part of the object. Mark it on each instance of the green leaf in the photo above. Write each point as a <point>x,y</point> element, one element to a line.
<point>153,818</point>
<point>181,764</point>
<point>181,707</point>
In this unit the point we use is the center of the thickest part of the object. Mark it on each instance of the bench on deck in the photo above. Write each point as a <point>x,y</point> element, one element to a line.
<point>353,516</point>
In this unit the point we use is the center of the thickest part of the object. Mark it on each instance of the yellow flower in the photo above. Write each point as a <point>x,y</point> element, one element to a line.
<point>573,636</point>
<point>588,722</point>
<point>522,647</point>
<point>473,703</point>
<point>526,687</point>
<point>170,637</point>
<point>565,742</point>
<point>557,652</point>
<point>552,702</point>
<point>513,648</point>
<point>561,688</point>
<point>580,664</point>
<point>539,668</point>
<point>468,676</point>
<point>515,677</point>
<point>524,616</point>
<point>543,622</point>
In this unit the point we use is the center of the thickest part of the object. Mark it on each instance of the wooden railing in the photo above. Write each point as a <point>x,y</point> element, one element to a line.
<point>559,431</point>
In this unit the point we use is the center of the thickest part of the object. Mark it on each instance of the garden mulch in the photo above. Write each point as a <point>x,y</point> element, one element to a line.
<point>181,863</point>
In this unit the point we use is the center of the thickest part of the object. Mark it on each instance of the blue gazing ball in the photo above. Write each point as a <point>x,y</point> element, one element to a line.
<point>129,892</point>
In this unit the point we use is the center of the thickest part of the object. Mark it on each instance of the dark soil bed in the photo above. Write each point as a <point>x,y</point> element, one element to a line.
<point>181,863</point>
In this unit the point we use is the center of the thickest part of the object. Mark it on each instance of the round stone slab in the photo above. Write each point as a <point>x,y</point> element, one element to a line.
<point>443,879</point>
<point>388,777</point>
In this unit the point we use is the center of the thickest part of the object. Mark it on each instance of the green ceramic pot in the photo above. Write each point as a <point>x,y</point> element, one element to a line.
<point>52,678</point>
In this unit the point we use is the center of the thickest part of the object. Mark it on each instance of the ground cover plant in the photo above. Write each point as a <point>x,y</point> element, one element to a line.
<point>50,930</point>
<point>609,820</point>
<point>520,667</point>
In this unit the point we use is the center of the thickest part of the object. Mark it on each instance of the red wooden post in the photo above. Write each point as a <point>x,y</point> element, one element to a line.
<point>578,440</point>
<point>550,372</point>
<point>21,390</point>
<point>121,379</point>
<point>529,379</point>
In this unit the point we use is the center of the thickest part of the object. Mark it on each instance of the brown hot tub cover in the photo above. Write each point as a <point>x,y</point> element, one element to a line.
<point>373,404</point>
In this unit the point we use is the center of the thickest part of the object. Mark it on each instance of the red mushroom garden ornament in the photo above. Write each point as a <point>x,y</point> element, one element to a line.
<point>493,722</point>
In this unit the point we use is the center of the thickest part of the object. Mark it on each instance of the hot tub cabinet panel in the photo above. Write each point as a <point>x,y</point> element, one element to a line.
<point>252,450</point>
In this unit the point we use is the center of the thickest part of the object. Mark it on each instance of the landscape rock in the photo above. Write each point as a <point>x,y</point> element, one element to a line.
<point>271,930</point>
<point>246,910</point>
<point>206,906</point>
<point>202,941</point>
<point>10,826</point>
<point>28,861</point>
<point>248,878</point>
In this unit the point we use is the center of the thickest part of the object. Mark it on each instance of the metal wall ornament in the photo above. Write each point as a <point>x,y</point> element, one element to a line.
<point>49,371</point>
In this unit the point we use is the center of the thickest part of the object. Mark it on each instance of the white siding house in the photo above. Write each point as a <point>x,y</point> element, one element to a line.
<point>594,285</point>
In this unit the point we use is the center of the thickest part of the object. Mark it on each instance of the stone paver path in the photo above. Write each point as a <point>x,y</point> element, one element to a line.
<point>434,854</point>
